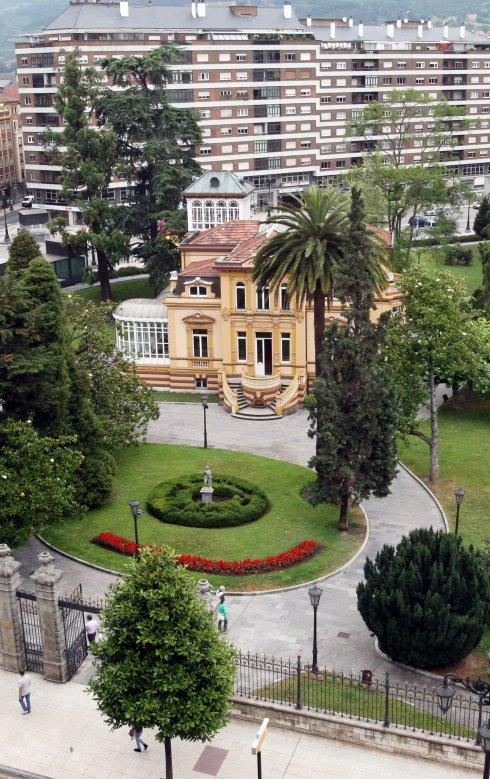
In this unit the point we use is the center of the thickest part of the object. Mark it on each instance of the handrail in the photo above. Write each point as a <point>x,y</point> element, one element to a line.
<point>289,393</point>
<point>261,382</point>
<point>229,394</point>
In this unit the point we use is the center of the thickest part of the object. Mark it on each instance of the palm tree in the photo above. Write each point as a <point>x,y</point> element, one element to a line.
<point>308,252</point>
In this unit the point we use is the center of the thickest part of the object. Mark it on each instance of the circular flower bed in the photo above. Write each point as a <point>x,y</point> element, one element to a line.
<point>297,554</point>
<point>235,502</point>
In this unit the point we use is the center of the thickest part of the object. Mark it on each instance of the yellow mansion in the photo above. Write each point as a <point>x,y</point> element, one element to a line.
<point>213,329</point>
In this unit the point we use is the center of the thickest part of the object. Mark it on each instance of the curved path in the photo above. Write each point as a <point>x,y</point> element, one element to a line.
<point>280,623</point>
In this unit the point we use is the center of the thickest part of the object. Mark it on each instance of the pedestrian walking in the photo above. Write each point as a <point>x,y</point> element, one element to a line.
<point>25,692</point>
<point>90,629</point>
<point>222,614</point>
<point>136,732</point>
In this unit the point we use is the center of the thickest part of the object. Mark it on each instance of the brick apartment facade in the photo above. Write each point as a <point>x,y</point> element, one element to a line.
<point>274,93</point>
<point>11,161</point>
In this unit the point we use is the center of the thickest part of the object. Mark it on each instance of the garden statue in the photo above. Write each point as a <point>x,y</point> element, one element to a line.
<point>207,488</point>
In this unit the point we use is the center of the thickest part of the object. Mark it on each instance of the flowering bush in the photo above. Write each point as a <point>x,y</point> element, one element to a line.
<point>303,551</point>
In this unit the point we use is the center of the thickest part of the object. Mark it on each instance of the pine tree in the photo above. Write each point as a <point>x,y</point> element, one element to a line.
<point>428,600</point>
<point>22,250</point>
<point>161,662</point>
<point>482,218</point>
<point>353,411</point>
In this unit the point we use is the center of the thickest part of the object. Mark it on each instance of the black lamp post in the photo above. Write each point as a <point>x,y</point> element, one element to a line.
<point>468,217</point>
<point>204,401</point>
<point>315,594</point>
<point>4,206</point>
<point>484,733</point>
<point>134,505</point>
<point>445,695</point>
<point>459,495</point>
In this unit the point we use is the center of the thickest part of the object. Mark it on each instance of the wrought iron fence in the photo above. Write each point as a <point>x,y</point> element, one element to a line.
<point>361,697</point>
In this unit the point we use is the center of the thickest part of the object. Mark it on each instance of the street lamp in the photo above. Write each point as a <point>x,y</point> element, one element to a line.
<point>134,505</point>
<point>468,217</point>
<point>459,495</point>
<point>204,401</point>
<point>4,206</point>
<point>484,733</point>
<point>315,594</point>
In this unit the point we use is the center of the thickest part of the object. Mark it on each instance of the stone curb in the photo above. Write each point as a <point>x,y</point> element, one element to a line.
<point>15,772</point>
<point>428,674</point>
<point>429,492</point>
<point>115,280</point>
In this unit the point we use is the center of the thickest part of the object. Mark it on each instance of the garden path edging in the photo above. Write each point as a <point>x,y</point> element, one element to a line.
<point>429,492</point>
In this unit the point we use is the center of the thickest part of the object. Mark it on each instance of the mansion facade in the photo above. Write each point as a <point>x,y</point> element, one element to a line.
<point>213,328</point>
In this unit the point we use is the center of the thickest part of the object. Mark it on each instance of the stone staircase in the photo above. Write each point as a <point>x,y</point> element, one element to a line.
<point>246,411</point>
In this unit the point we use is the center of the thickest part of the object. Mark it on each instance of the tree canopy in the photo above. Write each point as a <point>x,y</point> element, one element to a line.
<point>22,249</point>
<point>161,662</point>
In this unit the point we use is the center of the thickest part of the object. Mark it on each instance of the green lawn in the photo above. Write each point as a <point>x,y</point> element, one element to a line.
<point>290,520</point>
<point>343,695</point>
<point>182,397</point>
<point>121,290</point>
<point>433,261</point>
<point>464,460</point>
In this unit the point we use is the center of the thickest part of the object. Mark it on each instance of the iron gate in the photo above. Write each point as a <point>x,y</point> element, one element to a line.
<point>31,631</point>
<point>72,609</point>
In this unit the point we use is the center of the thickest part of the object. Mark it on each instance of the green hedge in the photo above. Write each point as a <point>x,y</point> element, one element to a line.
<point>235,502</point>
<point>471,238</point>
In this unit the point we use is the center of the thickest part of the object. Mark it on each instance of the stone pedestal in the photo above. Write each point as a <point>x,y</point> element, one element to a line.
<point>12,656</point>
<point>48,589</point>
<point>207,494</point>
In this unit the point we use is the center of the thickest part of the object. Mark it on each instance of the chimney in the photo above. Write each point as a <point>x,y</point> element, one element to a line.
<point>390,30</point>
<point>124,8</point>
<point>332,29</point>
<point>429,24</point>
<point>398,23</point>
<point>193,9</point>
<point>308,21</point>
<point>201,8</point>
<point>462,31</point>
<point>360,31</point>
<point>420,30</point>
<point>287,9</point>
<point>445,31</point>
<point>351,21</point>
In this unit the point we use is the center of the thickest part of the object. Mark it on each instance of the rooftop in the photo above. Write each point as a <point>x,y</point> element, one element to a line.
<point>226,236</point>
<point>215,183</point>
<point>141,308</point>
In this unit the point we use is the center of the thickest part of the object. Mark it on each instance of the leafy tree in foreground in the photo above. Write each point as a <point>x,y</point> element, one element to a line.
<point>353,410</point>
<point>161,662</point>
<point>482,218</point>
<point>22,250</point>
<point>36,480</point>
<point>123,403</point>
<point>433,337</point>
<point>428,600</point>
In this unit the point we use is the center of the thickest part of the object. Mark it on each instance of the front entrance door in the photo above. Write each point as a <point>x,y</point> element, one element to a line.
<point>263,354</point>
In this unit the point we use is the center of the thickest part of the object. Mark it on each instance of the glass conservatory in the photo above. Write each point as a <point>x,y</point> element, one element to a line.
<point>142,330</point>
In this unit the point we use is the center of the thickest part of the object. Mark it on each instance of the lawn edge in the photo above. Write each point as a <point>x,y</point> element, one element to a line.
<point>429,492</point>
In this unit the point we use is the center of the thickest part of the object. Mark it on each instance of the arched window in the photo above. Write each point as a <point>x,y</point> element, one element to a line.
<point>196,215</point>
<point>241,302</point>
<point>220,212</point>
<point>233,210</point>
<point>209,220</point>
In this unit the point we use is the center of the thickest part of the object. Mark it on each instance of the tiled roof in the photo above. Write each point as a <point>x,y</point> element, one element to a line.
<point>206,267</point>
<point>10,94</point>
<point>227,235</point>
<point>245,250</point>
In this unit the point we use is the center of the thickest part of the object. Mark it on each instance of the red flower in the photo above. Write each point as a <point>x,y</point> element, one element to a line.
<point>296,554</point>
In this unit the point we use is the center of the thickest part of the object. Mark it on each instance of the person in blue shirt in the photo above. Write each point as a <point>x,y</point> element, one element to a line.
<point>222,614</point>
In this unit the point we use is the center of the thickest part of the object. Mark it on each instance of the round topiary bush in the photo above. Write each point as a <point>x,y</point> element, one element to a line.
<point>235,502</point>
<point>428,600</point>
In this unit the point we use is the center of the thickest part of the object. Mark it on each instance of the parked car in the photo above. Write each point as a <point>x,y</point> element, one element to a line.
<point>422,221</point>
<point>27,201</point>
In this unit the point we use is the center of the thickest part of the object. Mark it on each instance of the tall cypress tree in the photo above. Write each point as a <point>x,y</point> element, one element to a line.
<point>482,218</point>
<point>353,411</point>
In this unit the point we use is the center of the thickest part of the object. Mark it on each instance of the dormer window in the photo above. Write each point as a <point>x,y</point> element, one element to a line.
<point>198,291</point>
<point>214,182</point>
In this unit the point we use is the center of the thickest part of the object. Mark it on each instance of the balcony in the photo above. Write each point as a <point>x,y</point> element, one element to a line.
<point>454,80</point>
<point>261,111</point>
<point>43,101</point>
<point>181,95</point>
<point>42,61</point>
<point>270,74</point>
<point>365,65</point>
<point>455,96</point>
<point>367,97</point>
<point>47,120</point>
<point>455,64</point>
<point>266,56</point>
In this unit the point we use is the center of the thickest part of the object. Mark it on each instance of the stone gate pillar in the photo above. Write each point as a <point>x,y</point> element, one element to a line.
<point>48,579</point>
<point>12,654</point>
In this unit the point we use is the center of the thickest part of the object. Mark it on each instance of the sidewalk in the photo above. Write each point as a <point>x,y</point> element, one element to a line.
<point>65,738</point>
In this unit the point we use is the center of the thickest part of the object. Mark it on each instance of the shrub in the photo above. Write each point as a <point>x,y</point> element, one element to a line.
<point>297,554</point>
<point>458,255</point>
<point>235,501</point>
<point>127,270</point>
<point>428,601</point>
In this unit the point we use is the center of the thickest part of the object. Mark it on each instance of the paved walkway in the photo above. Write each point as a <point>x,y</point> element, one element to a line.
<point>65,736</point>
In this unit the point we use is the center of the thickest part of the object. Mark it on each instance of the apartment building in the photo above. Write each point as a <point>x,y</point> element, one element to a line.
<point>275,94</point>
<point>11,158</point>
